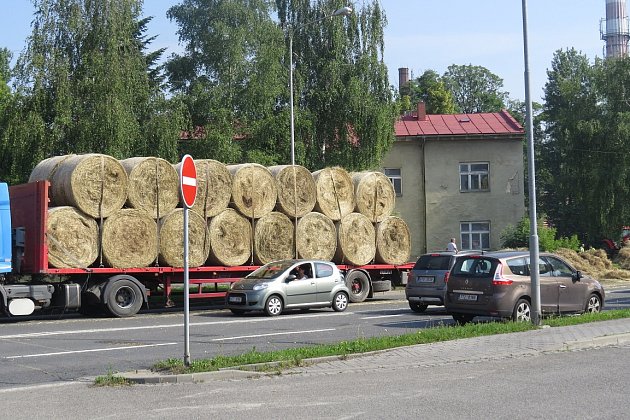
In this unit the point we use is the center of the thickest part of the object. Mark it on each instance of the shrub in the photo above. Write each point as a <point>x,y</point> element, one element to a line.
<point>518,237</point>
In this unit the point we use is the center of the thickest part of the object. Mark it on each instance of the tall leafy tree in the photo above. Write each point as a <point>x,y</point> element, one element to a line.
<point>430,89</point>
<point>475,88</point>
<point>83,85</point>
<point>235,73</point>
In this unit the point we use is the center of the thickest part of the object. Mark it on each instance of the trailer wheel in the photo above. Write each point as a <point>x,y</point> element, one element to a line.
<point>359,285</point>
<point>124,298</point>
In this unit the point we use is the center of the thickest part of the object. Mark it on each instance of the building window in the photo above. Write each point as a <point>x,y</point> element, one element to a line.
<point>475,235</point>
<point>474,177</point>
<point>395,176</point>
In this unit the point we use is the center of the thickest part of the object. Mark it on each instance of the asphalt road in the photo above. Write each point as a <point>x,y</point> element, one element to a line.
<point>70,348</point>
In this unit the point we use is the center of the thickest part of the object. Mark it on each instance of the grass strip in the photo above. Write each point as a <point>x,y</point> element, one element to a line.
<point>295,357</point>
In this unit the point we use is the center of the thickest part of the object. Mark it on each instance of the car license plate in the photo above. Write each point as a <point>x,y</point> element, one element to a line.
<point>236,299</point>
<point>423,279</point>
<point>472,298</point>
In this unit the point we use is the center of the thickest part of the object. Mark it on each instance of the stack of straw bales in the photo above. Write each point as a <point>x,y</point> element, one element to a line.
<point>128,213</point>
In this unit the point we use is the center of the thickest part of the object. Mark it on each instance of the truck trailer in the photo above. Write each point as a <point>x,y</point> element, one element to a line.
<point>29,284</point>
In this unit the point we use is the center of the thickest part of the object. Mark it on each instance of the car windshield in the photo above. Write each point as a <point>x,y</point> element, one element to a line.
<point>474,267</point>
<point>270,271</point>
<point>433,262</point>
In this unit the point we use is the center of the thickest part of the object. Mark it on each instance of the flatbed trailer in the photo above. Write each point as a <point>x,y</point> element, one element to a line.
<point>34,285</point>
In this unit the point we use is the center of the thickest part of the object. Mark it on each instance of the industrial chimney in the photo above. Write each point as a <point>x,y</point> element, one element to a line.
<point>614,29</point>
<point>403,80</point>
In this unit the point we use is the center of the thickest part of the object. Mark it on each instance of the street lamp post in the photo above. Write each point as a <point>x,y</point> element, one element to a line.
<point>344,11</point>
<point>533,226</point>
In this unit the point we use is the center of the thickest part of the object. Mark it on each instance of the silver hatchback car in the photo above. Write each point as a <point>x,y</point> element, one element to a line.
<point>289,284</point>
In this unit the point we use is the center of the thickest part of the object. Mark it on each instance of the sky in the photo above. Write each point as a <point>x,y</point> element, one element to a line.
<point>423,35</point>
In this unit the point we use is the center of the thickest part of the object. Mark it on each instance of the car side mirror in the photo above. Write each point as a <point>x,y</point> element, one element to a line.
<point>291,277</point>
<point>577,275</point>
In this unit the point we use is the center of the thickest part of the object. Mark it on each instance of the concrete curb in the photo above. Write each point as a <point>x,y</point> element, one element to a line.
<point>607,340</point>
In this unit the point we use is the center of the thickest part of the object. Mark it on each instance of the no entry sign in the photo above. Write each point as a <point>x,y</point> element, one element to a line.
<point>188,181</point>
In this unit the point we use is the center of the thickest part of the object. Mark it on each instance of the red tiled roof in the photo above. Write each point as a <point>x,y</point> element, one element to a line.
<point>482,124</point>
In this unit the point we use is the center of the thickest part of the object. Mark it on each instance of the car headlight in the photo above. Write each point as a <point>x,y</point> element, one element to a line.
<point>261,286</point>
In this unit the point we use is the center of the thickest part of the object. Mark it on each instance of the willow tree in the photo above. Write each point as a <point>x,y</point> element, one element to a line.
<point>235,73</point>
<point>82,85</point>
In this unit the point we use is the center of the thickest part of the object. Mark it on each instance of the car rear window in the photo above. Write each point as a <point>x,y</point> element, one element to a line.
<point>433,262</point>
<point>474,267</point>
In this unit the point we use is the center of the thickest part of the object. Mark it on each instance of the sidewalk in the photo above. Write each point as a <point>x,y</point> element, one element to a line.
<point>577,337</point>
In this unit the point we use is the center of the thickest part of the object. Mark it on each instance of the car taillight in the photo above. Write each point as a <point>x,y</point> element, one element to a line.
<point>498,279</point>
<point>446,276</point>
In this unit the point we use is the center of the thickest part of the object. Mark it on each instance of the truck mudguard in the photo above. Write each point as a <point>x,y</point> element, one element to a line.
<point>5,229</point>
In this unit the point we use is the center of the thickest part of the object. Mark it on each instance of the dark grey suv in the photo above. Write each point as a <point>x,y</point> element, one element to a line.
<point>498,285</point>
<point>426,282</point>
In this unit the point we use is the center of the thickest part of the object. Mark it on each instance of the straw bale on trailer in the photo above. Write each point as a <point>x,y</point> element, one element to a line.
<point>45,169</point>
<point>230,239</point>
<point>72,238</point>
<point>374,194</point>
<point>335,192</point>
<point>171,239</point>
<point>153,185</point>
<point>273,238</point>
<point>254,190</point>
<point>296,189</point>
<point>95,184</point>
<point>129,239</point>
<point>356,240</point>
<point>214,187</point>
<point>393,241</point>
<point>316,237</point>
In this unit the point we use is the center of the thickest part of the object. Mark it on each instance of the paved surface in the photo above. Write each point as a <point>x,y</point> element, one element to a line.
<point>596,334</point>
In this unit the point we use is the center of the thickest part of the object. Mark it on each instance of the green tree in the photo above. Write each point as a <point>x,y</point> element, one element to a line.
<point>475,88</point>
<point>518,237</point>
<point>83,85</point>
<point>430,89</point>
<point>569,154</point>
<point>235,73</point>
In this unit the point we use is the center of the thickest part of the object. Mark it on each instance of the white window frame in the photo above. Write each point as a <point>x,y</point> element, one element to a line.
<point>472,233</point>
<point>474,179</point>
<point>395,176</point>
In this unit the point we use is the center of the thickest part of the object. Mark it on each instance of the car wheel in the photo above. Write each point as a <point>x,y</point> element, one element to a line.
<point>418,307</point>
<point>237,311</point>
<point>522,311</point>
<point>340,302</point>
<point>274,305</point>
<point>359,286</point>
<point>462,319</point>
<point>593,304</point>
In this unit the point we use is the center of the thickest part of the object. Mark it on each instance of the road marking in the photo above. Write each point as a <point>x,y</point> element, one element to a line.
<point>381,316</point>
<point>153,327</point>
<point>40,386</point>
<point>272,334</point>
<point>59,353</point>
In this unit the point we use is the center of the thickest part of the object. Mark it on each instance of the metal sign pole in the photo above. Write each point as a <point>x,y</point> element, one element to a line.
<point>186,293</point>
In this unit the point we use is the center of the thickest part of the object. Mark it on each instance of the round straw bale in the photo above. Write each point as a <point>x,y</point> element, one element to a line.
<point>214,187</point>
<point>254,190</point>
<point>374,194</point>
<point>393,241</point>
<point>296,189</point>
<point>230,239</point>
<point>335,192</point>
<point>153,185</point>
<point>273,238</point>
<point>95,184</point>
<point>172,239</point>
<point>316,237</point>
<point>129,239</point>
<point>45,169</point>
<point>72,238</point>
<point>355,240</point>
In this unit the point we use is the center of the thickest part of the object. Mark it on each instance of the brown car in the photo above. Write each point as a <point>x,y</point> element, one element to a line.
<point>498,284</point>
